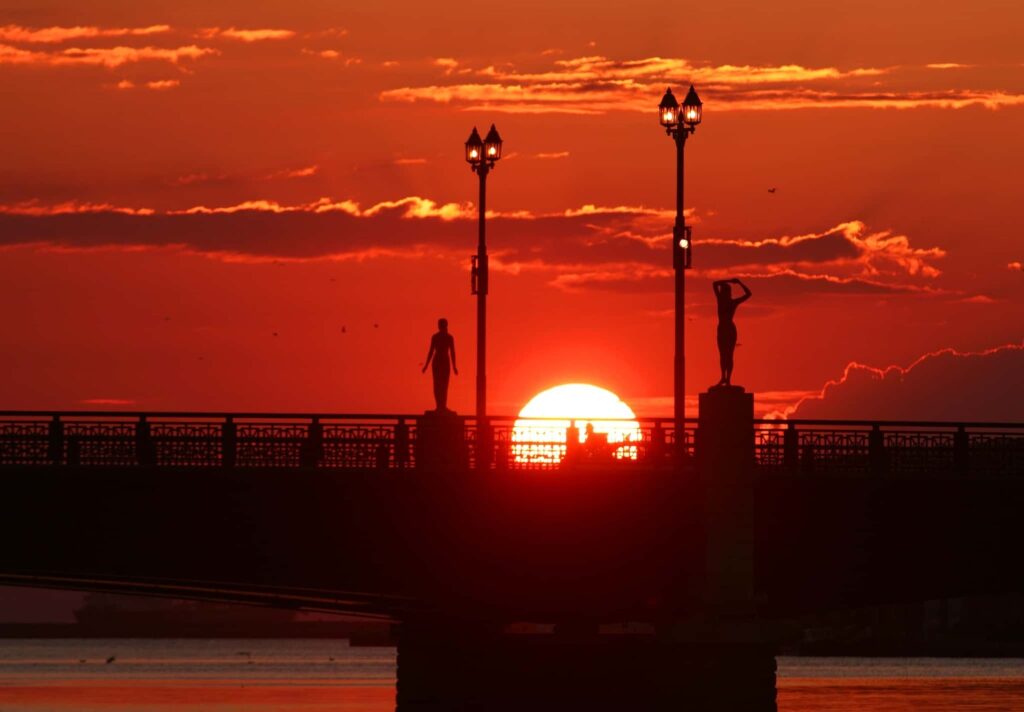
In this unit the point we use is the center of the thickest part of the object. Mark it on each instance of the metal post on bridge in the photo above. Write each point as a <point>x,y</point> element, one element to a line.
<point>657,448</point>
<point>876,451</point>
<point>482,154</point>
<point>679,122</point>
<point>401,444</point>
<point>55,441</point>
<point>145,452</point>
<point>480,287</point>
<point>228,442</point>
<point>791,449</point>
<point>312,449</point>
<point>961,451</point>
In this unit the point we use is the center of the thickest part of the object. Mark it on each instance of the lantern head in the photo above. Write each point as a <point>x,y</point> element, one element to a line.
<point>692,108</point>
<point>668,110</point>
<point>492,145</point>
<point>474,148</point>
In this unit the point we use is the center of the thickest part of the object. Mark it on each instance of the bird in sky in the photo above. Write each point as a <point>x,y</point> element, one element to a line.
<point>771,190</point>
<point>111,659</point>
<point>344,330</point>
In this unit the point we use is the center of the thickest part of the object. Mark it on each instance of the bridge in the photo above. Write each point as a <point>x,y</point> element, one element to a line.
<point>524,570</point>
<point>346,442</point>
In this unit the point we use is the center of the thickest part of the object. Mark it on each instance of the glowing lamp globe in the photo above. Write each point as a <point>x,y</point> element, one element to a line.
<point>540,432</point>
<point>474,148</point>
<point>492,145</point>
<point>693,108</point>
<point>668,110</point>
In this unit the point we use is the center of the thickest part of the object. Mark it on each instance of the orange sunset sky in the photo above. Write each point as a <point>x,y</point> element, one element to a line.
<point>180,181</point>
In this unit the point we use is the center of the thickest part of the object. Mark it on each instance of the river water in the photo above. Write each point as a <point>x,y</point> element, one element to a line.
<point>322,675</point>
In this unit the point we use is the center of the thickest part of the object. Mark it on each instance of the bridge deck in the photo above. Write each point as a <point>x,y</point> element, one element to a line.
<point>388,442</point>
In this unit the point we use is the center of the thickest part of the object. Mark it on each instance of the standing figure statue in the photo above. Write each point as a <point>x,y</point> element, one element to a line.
<point>726,326</point>
<point>441,345</point>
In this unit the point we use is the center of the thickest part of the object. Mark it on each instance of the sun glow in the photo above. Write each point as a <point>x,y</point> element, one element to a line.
<point>542,432</point>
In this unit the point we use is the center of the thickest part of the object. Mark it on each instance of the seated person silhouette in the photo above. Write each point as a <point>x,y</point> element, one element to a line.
<point>442,345</point>
<point>726,326</point>
<point>595,447</point>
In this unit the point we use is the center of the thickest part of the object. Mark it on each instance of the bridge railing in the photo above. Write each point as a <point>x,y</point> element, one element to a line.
<point>207,440</point>
<point>389,442</point>
<point>889,448</point>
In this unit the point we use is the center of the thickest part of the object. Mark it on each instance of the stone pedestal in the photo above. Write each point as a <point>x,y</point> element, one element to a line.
<point>725,466</point>
<point>441,442</point>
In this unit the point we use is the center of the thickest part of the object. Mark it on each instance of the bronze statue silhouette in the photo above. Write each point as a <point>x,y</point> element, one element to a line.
<point>726,326</point>
<point>441,345</point>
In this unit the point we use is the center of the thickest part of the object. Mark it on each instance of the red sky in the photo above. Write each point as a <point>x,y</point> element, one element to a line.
<point>181,180</point>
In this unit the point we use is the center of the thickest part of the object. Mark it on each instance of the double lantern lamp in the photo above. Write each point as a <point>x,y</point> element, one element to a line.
<point>483,152</point>
<point>680,122</point>
<point>686,117</point>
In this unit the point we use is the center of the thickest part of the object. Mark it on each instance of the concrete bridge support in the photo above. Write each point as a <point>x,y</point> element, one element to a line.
<point>725,468</point>
<point>462,671</point>
<point>720,660</point>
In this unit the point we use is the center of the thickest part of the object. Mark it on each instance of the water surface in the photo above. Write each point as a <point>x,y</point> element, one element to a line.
<point>321,675</point>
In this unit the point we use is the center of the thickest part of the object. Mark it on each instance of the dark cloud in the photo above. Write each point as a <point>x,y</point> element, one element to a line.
<point>309,233</point>
<point>830,246</point>
<point>787,284</point>
<point>945,385</point>
<point>620,248</point>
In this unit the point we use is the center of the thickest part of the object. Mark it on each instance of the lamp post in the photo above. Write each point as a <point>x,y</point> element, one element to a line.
<point>481,156</point>
<point>680,122</point>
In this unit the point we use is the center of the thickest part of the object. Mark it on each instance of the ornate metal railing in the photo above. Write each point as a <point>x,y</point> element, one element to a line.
<point>389,442</point>
<point>889,448</point>
<point>207,440</point>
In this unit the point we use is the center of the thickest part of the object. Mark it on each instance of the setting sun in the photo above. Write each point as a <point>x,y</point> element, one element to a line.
<point>540,433</point>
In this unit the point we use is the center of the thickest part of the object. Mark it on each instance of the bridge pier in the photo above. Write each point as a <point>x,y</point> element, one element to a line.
<point>720,659</point>
<point>478,670</point>
<point>725,468</point>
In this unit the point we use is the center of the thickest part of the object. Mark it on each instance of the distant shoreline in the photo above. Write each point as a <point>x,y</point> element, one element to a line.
<point>359,633</point>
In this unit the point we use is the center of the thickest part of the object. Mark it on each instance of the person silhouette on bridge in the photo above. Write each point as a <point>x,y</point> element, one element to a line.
<point>726,326</point>
<point>441,345</point>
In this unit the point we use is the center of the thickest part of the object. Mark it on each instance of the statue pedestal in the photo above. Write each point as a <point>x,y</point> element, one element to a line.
<point>441,441</point>
<point>725,463</point>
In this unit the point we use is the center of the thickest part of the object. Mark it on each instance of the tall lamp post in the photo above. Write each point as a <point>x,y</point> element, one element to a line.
<point>481,156</point>
<point>680,122</point>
